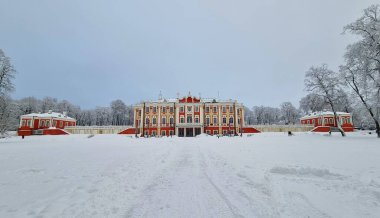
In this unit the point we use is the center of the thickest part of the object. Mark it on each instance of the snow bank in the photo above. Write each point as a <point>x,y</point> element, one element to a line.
<point>268,175</point>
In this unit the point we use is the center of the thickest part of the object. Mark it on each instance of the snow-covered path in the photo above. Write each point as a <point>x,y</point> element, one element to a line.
<point>267,175</point>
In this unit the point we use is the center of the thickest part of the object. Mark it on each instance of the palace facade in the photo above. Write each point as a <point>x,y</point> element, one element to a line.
<point>188,116</point>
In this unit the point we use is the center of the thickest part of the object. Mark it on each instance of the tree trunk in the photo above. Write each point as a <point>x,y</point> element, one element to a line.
<point>336,121</point>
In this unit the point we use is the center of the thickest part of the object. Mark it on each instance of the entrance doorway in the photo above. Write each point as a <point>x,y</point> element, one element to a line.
<point>189,132</point>
<point>181,132</point>
<point>197,131</point>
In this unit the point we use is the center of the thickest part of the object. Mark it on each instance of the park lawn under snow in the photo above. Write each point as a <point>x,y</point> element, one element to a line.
<point>266,175</point>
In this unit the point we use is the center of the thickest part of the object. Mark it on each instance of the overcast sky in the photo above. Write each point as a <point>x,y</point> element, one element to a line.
<point>92,52</point>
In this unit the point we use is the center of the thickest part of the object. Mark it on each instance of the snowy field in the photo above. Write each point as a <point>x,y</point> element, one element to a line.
<point>266,175</point>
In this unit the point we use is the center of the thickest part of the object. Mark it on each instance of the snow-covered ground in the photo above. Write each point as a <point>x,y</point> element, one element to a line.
<point>266,175</point>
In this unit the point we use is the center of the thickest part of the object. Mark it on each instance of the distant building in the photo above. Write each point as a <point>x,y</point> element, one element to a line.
<point>189,116</point>
<point>324,121</point>
<point>50,123</point>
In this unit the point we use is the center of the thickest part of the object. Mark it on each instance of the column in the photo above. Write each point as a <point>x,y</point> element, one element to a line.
<point>159,121</point>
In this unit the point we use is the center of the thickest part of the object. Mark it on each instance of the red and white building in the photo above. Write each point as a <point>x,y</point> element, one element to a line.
<point>323,121</point>
<point>50,123</point>
<point>189,116</point>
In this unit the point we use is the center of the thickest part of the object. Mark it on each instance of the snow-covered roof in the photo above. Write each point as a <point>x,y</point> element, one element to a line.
<point>324,113</point>
<point>176,100</point>
<point>48,115</point>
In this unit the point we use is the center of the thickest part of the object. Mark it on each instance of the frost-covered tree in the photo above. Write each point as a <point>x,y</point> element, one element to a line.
<point>29,105</point>
<point>312,103</point>
<point>7,116</point>
<point>7,74</point>
<point>289,113</point>
<point>48,103</point>
<point>361,72</point>
<point>119,112</point>
<point>7,107</point>
<point>103,116</point>
<point>323,82</point>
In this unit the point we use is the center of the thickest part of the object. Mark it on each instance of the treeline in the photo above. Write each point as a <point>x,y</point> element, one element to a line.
<point>117,113</point>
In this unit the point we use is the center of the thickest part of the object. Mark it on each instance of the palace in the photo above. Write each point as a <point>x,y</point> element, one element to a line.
<point>188,116</point>
<point>324,121</point>
<point>49,123</point>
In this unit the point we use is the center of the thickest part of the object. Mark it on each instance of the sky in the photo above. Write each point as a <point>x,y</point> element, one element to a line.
<point>91,52</point>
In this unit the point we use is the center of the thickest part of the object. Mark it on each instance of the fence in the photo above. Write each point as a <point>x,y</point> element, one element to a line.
<point>283,128</point>
<point>95,129</point>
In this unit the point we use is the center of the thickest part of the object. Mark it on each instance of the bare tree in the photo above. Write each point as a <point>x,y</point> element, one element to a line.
<point>324,82</point>
<point>312,103</point>
<point>7,74</point>
<point>356,76</point>
<point>289,112</point>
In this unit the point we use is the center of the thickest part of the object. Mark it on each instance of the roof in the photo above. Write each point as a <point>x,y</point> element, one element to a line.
<point>48,115</point>
<point>324,113</point>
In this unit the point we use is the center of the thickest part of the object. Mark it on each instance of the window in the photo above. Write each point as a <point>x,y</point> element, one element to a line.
<point>42,124</point>
<point>54,123</point>
<point>163,109</point>
<point>182,119</point>
<point>215,109</point>
<point>147,110</point>
<point>224,132</point>
<point>224,110</point>
<point>207,120</point>
<point>147,121</point>
<point>196,119</point>
<point>331,121</point>
<point>215,120</point>
<point>154,109</point>
<point>154,120</point>
<point>139,113</point>
<point>208,132</point>
<point>207,109</point>
<point>231,109</point>
<point>181,109</point>
<point>171,132</point>
<point>23,123</point>
<point>196,108</point>
<point>189,108</point>
<point>171,109</point>
<point>30,123</point>
<point>189,119</point>
<point>171,120</point>
<point>215,132</point>
<point>224,120</point>
<point>239,121</point>
<point>231,120</point>
<point>146,133</point>
<point>326,121</point>
<point>154,133</point>
<point>67,123</point>
<point>61,123</point>
<point>164,120</point>
<point>163,133</point>
<point>47,123</point>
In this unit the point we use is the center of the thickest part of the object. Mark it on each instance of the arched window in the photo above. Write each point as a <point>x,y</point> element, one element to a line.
<point>224,120</point>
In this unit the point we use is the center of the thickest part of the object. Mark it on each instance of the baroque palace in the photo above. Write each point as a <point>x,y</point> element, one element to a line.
<point>188,116</point>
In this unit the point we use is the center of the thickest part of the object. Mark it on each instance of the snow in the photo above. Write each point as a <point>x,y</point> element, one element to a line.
<point>266,175</point>
<point>324,113</point>
<point>47,115</point>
